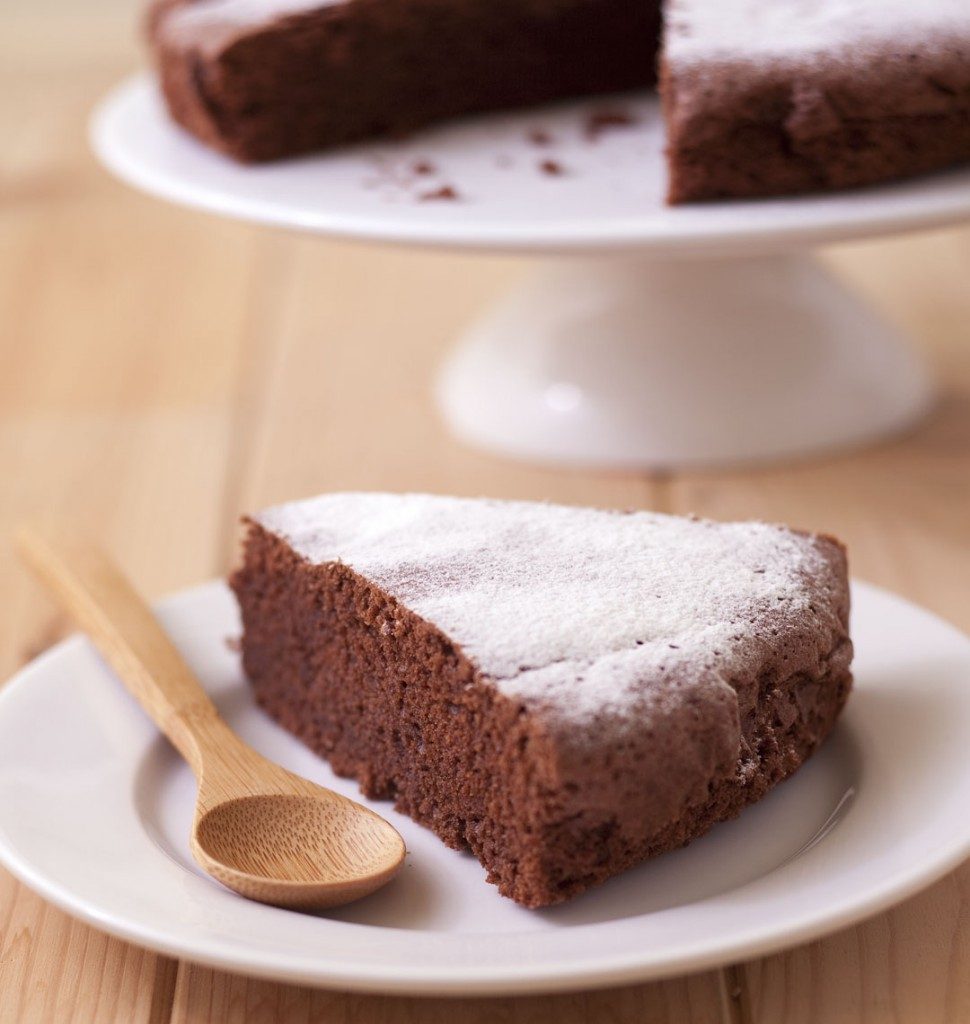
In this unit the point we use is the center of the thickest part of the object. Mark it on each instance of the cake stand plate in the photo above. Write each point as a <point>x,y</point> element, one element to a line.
<point>620,351</point>
<point>879,812</point>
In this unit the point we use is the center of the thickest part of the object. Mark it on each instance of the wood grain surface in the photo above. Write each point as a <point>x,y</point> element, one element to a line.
<point>163,371</point>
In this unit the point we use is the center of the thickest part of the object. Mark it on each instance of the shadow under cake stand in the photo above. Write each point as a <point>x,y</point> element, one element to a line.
<point>649,336</point>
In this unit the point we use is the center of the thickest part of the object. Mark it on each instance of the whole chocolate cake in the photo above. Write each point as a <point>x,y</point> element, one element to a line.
<point>562,691</point>
<point>761,97</point>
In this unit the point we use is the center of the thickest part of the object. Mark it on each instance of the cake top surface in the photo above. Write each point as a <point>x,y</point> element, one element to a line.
<point>210,24</point>
<point>789,29</point>
<point>577,609</point>
<point>696,29</point>
<point>241,13</point>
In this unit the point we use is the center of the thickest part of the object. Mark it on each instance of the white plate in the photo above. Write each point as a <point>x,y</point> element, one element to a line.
<point>95,809</point>
<point>610,196</point>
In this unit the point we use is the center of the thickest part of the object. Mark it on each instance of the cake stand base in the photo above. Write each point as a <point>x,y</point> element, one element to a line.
<point>653,363</point>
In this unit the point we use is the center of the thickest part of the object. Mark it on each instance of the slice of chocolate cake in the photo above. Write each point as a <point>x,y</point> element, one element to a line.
<point>562,691</point>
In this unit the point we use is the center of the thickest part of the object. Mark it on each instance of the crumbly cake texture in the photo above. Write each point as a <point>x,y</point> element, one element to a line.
<point>760,97</point>
<point>764,98</point>
<point>562,691</point>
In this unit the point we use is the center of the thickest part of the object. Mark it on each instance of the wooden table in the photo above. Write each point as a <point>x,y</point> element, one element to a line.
<point>163,371</point>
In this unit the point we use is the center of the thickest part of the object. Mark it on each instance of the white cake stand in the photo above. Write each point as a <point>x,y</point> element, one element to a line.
<point>651,336</point>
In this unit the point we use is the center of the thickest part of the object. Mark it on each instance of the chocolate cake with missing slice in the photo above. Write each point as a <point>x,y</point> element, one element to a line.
<point>760,97</point>
<point>562,691</point>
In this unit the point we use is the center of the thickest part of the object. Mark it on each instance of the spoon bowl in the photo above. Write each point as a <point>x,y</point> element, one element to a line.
<point>305,850</point>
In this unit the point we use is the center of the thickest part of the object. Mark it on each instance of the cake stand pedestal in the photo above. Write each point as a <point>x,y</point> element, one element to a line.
<point>653,337</point>
<point>640,361</point>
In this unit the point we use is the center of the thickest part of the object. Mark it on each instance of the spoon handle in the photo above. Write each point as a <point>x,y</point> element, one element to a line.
<point>122,626</point>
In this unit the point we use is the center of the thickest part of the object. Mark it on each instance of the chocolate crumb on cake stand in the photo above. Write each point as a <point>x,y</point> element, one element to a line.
<point>653,336</point>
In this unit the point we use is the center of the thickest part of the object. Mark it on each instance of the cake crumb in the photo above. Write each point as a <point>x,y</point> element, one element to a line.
<point>423,167</point>
<point>540,137</point>
<point>446,192</point>
<point>552,167</point>
<point>600,121</point>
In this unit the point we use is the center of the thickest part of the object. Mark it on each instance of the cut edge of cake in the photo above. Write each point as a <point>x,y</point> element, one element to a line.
<point>764,100</point>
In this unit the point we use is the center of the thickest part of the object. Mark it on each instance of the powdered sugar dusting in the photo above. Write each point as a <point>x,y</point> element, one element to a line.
<point>211,22</point>
<point>247,12</point>
<point>575,608</point>
<point>786,29</point>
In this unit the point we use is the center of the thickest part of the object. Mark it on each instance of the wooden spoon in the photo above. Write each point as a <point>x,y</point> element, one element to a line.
<point>260,830</point>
